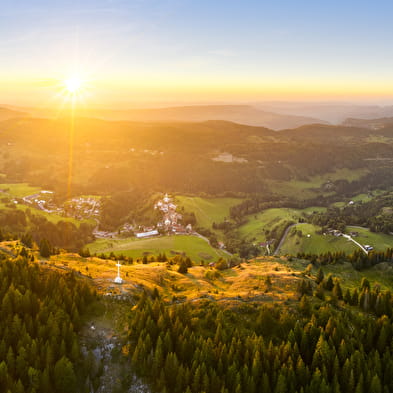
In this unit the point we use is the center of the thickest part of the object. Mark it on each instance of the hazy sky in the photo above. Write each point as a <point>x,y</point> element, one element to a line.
<point>187,50</point>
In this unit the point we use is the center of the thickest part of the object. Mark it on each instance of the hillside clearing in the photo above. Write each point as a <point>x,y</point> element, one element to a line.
<point>194,247</point>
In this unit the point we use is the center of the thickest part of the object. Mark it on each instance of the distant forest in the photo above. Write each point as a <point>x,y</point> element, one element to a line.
<point>184,157</point>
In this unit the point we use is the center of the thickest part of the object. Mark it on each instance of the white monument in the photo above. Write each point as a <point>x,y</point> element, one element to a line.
<point>118,279</point>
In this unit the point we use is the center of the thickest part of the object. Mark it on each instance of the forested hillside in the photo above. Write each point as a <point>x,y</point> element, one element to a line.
<point>40,316</point>
<point>211,157</point>
<point>341,344</point>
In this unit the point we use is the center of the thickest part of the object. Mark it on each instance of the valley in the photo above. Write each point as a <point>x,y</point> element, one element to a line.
<point>289,232</point>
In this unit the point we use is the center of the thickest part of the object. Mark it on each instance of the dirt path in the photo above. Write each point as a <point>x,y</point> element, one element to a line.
<point>208,241</point>
<point>111,372</point>
<point>353,240</point>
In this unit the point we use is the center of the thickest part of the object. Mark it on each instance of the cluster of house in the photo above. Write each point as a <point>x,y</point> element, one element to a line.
<point>171,218</point>
<point>78,207</point>
<point>333,232</point>
<point>42,200</point>
<point>82,207</point>
<point>337,233</point>
<point>170,222</point>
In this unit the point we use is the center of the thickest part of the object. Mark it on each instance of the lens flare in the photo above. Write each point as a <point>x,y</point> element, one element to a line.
<point>73,84</point>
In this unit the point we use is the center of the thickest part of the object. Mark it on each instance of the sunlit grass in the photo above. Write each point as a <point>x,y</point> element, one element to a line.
<point>194,247</point>
<point>247,282</point>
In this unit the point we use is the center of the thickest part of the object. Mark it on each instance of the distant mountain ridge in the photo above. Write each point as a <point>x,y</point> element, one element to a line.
<point>242,114</point>
<point>332,112</point>
<point>373,124</point>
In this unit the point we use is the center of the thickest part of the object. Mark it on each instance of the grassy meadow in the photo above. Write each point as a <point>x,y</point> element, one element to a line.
<point>270,219</point>
<point>311,187</point>
<point>247,282</point>
<point>18,190</point>
<point>193,246</point>
<point>207,210</point>
<point>298,241</point>
<point>380,241</point>
<point>242,283</point>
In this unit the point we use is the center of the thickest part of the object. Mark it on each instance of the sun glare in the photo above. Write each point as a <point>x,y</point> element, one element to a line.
<point>73,84</point>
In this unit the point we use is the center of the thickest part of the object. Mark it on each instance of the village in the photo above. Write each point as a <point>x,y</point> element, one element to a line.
<point>170,222</point>
<point>89,207</point>
<point>81,207</point>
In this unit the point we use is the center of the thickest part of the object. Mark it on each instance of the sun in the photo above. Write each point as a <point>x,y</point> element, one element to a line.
<point>73,84</point>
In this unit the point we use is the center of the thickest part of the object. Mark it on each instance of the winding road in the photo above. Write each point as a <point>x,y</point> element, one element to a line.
<point>284,236</point>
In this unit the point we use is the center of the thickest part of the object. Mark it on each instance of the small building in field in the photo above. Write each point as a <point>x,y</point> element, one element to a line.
<point>142,235</point>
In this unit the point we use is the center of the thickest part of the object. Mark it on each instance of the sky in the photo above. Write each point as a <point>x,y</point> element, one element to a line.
<point>137,51</point>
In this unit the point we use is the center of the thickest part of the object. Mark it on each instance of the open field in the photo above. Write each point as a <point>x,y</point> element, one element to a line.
<point>277,219</point>
<point>207,210</point>
<point>312,187</point>
<point>270,219</point>
<point>318,244</point>
<point>18,190</point>
<point>247,282</point>
<point>244,283</point>
<point>193,246</point>
<point>380,241</point>
<point>358,198</point>
<point>315,244</point>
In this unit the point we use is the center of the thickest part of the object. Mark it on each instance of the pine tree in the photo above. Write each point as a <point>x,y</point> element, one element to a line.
<point>320,276</point>
<point>45,248</point>
<point>65,379</point>
<point>337,291</point>
<point>375,386</point>
<point>329,284</point>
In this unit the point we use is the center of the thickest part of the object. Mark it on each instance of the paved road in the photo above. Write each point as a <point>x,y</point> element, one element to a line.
<point>284,236</point>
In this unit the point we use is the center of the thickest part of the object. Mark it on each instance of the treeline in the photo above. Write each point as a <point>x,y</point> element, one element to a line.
<point>40,315</point>
<point>379,178</point>
<point>181,259</point>
<point>369,300</point>
<point>369,214</point>
<point>63,234</point>
<point>203,347</point>
<point>359,259</point>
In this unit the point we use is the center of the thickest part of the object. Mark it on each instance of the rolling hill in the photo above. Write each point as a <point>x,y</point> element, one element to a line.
<point>213,156</point>
<point>243,114</point>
